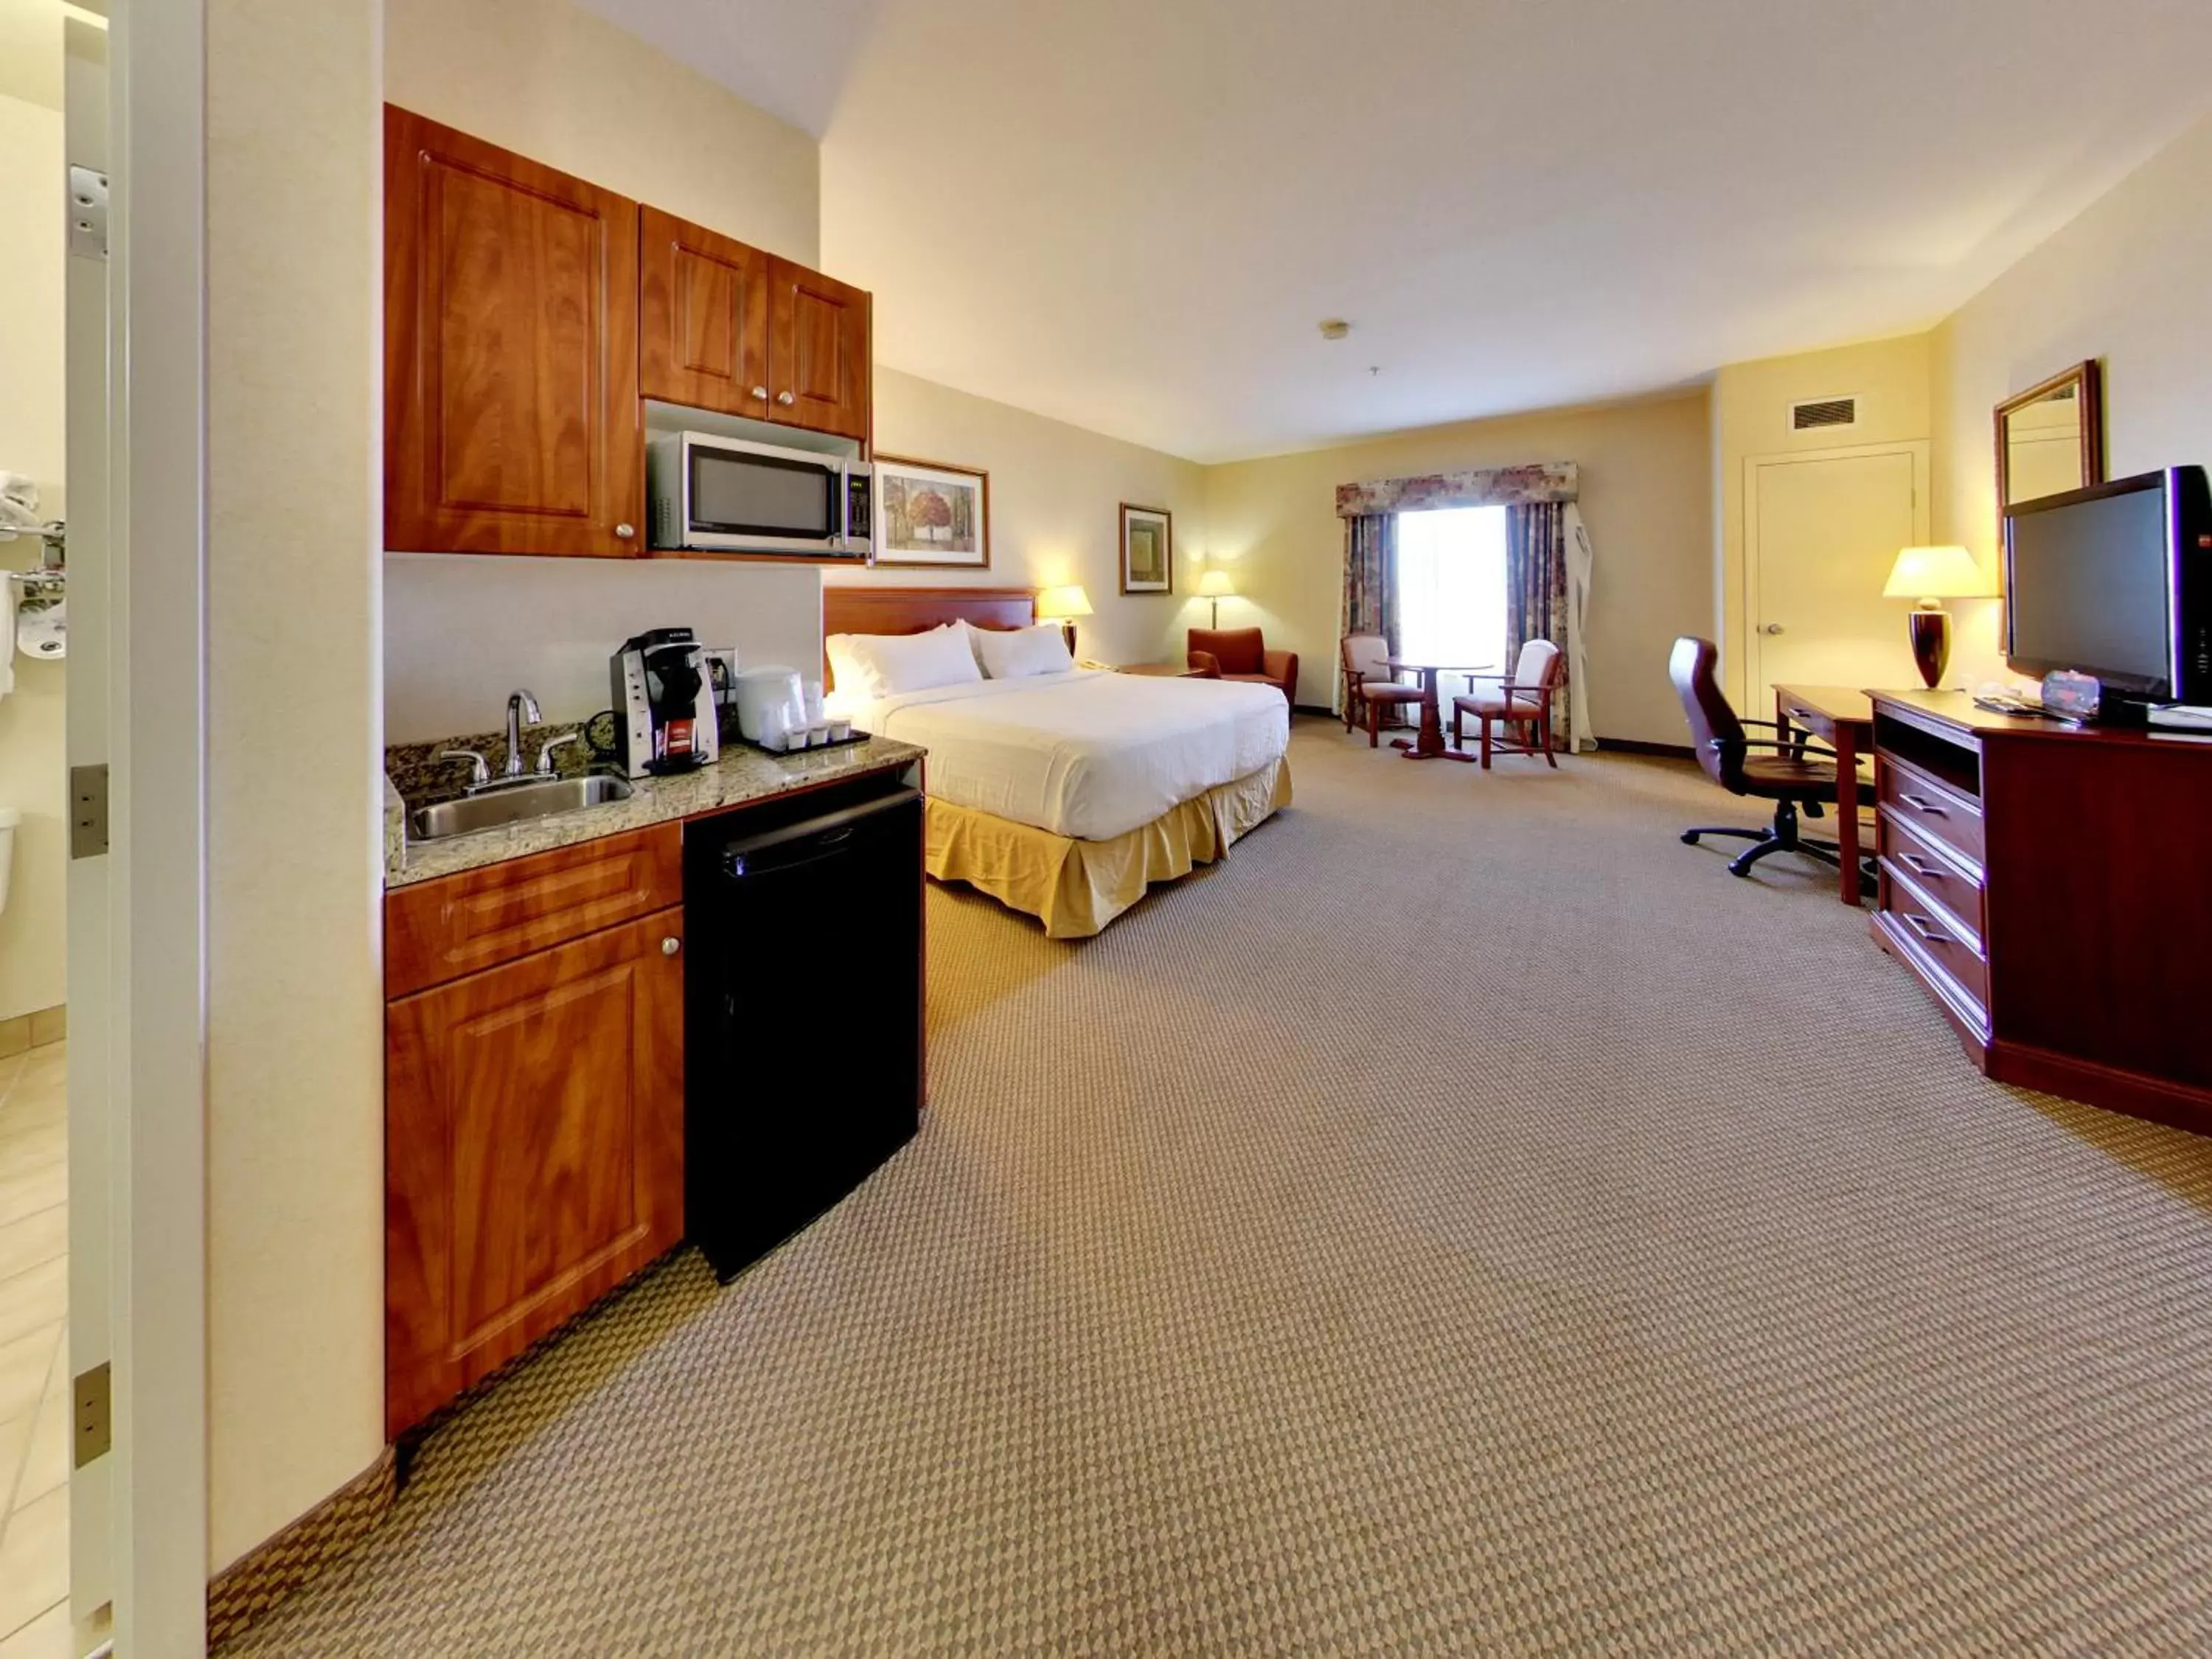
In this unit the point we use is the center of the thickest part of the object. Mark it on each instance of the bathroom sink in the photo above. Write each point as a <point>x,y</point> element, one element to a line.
<point>515,803</point>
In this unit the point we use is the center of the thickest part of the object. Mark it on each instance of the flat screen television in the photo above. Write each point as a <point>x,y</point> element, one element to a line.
<point>2116,580</point>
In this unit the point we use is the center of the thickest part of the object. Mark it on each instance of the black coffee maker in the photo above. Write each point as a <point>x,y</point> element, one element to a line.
<point>664,703</point>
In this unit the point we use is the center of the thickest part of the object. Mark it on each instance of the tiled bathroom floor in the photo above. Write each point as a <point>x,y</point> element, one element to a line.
<point>34,1357</point>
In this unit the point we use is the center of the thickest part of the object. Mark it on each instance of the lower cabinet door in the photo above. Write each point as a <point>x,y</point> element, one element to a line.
<point>533,1151</point>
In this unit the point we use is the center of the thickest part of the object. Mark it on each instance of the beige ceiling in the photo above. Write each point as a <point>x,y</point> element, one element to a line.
<point>1132,214</point>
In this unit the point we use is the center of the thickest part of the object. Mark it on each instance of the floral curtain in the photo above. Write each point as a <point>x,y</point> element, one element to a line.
<point>1370,575</point>
<point>1536,602</point>
<point>1371,581</point>
<point>1494,486</point>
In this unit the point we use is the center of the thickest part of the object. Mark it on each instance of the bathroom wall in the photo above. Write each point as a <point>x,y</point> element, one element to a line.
<point>33,771</point>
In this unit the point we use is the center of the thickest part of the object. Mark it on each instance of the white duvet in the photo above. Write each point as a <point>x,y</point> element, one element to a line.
<point>1084,754</point>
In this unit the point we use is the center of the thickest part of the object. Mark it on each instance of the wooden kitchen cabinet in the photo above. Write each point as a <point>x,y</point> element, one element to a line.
<point>727,327</point>
<point>512,418</point>
<point>533,1114</point>
<point>703,318</point>
<point>819,366</point>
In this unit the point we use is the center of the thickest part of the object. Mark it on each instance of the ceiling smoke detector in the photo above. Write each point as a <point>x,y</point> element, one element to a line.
<point>1335,328</point>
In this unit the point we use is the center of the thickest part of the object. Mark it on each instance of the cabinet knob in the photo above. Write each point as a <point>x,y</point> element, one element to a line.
<point>761,392</point>
<point>670,946</point>
<point>785,398</point>
<point>625,531</point>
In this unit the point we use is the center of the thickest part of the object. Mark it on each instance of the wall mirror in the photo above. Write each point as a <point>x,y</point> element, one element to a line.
<point>2052,437</point>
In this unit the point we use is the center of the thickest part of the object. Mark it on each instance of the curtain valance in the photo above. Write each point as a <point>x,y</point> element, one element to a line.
<point>1493,486</point>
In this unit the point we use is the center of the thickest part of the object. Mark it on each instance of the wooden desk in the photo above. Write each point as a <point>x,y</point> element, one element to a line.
<point>1843,720</point>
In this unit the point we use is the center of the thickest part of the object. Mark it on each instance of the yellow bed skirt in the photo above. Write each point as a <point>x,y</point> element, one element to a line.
<point>1076,887</point>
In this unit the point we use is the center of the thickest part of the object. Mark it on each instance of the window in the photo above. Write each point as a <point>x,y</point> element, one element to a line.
<point>1451,586</point>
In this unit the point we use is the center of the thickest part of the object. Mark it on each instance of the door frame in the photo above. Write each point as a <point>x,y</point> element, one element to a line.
<point>143,986</point>
<point>1921,450</point>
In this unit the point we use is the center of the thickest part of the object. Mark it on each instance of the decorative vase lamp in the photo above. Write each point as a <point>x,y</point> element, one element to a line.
<point>1215,584</point>
<point>1065,604</point>
<point>1930,575</point>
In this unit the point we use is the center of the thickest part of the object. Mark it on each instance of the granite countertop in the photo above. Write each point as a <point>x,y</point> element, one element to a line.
<point>743,776</point>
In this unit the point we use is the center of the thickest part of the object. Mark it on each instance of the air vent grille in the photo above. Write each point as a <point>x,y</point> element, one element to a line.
<point>1818,413</point>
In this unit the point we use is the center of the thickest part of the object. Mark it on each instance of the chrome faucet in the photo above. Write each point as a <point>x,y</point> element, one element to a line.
<point>521,707</point>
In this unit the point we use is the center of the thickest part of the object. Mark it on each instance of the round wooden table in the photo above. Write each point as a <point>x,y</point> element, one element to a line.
<point>1428,743</point>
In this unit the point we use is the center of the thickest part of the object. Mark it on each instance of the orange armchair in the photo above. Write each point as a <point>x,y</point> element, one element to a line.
<point>1240,653</point>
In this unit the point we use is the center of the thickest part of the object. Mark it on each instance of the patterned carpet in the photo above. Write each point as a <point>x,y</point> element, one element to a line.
<point>1466,1220</point>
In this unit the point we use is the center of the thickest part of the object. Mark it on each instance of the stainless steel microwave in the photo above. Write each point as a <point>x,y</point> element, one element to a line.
<point>730,496</point>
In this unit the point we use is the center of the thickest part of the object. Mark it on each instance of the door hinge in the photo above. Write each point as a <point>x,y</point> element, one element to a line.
<point>87,212</point>
<point>88,811</point>
<point>94,1420</point>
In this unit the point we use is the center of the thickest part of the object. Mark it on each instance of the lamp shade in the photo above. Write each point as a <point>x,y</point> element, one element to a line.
<point>1216,585</point>
<point>1068,601</point>
<point>1937,573</point>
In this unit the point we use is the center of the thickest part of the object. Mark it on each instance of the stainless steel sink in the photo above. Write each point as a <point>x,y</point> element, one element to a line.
<point>515,803</point>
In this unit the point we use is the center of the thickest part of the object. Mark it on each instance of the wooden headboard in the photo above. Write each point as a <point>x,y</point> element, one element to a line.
<point>917,610</point>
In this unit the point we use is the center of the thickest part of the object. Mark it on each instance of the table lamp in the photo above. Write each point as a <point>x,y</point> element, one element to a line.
<point>1930,575</point>
<point>1216,585</point>
<point>1065,604</point>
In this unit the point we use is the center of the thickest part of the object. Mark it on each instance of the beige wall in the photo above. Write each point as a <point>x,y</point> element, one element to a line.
<point>33,766</point>
<point>570,89</point>
<point>1646,495</point>
<point>1750,416</point>
<point>460,634</point>
<point>2125,282</point>
<point>1056,494</point>
<point>296,1029</point>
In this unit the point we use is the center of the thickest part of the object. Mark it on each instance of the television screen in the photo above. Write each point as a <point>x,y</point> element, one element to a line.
<point>2087,579</point>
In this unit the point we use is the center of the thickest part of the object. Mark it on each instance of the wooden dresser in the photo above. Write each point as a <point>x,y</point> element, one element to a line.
<point>2052,890</point>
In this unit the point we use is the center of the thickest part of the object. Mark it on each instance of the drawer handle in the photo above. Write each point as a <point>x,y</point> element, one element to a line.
<point>1919,806</point>
<point>1921,925</point>
<point>1920,867</point>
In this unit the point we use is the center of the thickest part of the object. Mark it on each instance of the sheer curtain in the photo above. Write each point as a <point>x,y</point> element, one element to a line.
<point>1451,588</point>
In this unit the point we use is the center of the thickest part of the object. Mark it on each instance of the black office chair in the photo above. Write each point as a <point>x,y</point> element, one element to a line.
<point>1802,775</point>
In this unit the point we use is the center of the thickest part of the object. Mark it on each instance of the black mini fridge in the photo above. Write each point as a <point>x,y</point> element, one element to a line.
<point>803,1052</point>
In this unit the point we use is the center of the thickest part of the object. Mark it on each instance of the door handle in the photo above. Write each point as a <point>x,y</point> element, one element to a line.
<point>1771,628</point>
<point>1921,925</point>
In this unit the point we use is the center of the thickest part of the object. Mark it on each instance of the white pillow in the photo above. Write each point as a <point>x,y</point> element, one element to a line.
<point>968,631</point>
<point>1012,653</point>
<point>872,665</point>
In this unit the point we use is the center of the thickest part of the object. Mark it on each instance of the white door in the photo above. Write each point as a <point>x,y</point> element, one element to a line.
<point>1822,529</point>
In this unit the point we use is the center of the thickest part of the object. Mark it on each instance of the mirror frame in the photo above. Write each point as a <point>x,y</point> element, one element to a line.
<point>2088,382</point>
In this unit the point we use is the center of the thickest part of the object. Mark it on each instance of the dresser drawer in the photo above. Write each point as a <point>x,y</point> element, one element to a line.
<point>1933,932</point>
<point>1937,871</point>
<point>1911,797</point>
<point>440,930</point>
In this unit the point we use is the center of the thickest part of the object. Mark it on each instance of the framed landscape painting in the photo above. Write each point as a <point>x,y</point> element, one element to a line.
<point>932,515</point>
<point>1147,549</point>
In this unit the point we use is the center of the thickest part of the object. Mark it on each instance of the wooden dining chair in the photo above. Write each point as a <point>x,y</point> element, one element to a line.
<point>1522,705</point>
<point>1369,687</point>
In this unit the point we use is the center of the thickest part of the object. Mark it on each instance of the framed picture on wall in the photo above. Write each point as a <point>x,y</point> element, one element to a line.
<point>1147,549</point>
<point>930,515</point>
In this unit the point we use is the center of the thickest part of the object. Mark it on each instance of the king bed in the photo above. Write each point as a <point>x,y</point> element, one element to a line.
<point>1062,792</point>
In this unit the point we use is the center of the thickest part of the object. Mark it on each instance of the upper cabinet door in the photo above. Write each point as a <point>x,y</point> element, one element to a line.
<point>511,419</point>
<point>703,318</point>
<point>818,347</point>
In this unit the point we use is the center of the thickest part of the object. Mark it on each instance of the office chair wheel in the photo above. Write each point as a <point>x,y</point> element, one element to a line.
<point>1690,837</point>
